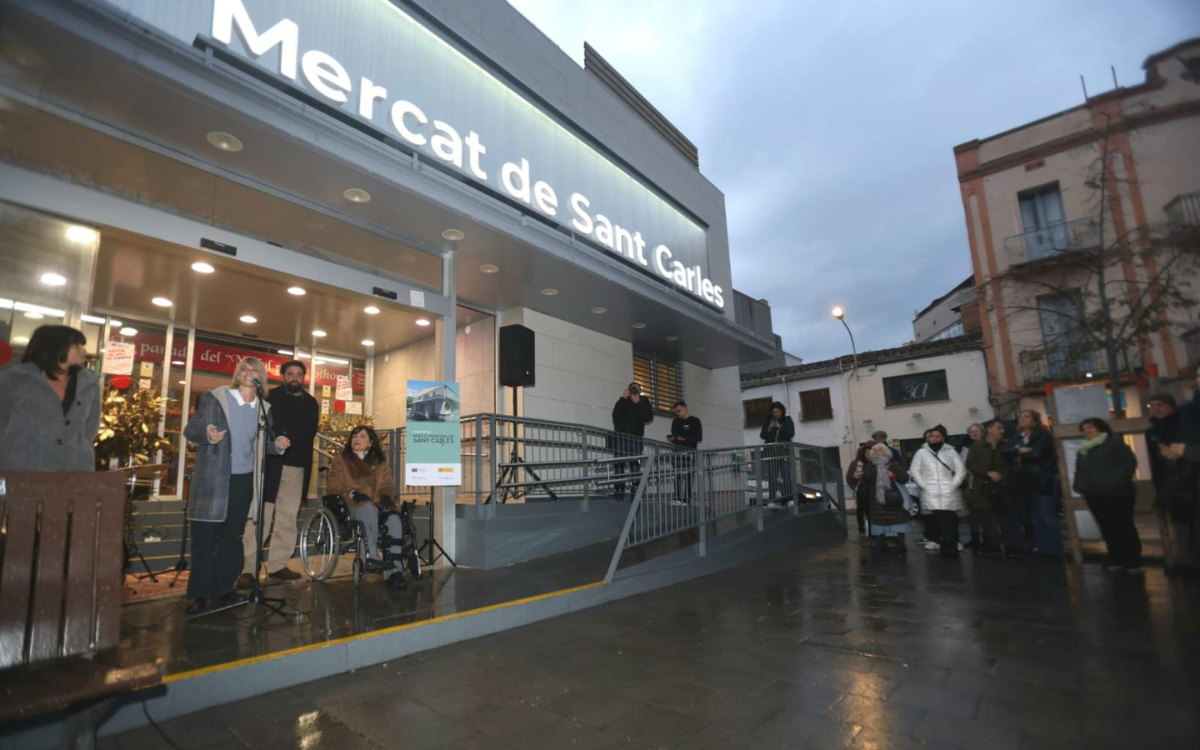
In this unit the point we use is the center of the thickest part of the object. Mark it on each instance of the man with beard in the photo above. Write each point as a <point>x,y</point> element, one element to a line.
<point>296,416</point>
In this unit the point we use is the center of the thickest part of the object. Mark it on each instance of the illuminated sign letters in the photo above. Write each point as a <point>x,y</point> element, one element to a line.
<point>535,184</point>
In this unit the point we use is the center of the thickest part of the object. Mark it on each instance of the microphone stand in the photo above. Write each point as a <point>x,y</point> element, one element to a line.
<point>274,604</point>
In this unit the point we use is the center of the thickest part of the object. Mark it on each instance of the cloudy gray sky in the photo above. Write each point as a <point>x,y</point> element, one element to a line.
<point>830,126</point>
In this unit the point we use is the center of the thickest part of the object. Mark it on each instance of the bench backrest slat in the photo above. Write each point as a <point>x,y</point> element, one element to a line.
<point>60,570</point>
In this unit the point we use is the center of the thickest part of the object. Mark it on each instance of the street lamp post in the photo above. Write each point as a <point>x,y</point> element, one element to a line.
<point>840,314</point>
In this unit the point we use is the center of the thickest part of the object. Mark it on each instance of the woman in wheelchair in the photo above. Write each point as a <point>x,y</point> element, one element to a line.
<point>363,479</point>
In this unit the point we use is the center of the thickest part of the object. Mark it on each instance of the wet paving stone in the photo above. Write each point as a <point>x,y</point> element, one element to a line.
<point>829,647</point>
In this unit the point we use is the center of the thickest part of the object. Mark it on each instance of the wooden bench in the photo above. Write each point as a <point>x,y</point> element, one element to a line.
<point>61,549</point>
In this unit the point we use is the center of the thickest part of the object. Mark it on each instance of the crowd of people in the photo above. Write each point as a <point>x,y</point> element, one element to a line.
<point>1003,480</point>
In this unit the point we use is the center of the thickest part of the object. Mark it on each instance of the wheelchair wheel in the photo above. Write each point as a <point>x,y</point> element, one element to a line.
<point>320,544</point>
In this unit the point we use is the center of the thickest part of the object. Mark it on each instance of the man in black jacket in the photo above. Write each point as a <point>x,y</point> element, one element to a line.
<point>630,415</point>
<point>686,433</point>
<point>295,415</point>
<point>778,429</point>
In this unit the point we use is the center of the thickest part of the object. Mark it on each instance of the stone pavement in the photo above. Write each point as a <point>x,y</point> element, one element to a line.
<point>829,647</point>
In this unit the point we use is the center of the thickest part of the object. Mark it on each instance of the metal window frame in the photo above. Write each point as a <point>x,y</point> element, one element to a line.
<point>654,365</point>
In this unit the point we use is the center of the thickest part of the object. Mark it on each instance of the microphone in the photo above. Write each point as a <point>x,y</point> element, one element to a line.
<point>257,383</point>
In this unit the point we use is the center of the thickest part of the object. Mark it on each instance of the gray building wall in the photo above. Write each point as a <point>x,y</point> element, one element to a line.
<point>502,34</point>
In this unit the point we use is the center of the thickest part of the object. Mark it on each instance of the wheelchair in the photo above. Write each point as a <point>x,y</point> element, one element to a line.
<point>331,532</point>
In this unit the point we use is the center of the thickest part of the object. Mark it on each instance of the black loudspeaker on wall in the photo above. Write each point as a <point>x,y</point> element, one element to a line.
<point>516,356</point>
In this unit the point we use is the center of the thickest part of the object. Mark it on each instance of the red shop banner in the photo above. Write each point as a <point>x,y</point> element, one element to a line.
<point>219,359</point>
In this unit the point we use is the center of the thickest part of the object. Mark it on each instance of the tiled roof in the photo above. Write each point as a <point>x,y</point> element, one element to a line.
<point>973,341</point>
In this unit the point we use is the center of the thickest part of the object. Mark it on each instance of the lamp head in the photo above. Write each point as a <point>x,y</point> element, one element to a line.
<point>838,313</point>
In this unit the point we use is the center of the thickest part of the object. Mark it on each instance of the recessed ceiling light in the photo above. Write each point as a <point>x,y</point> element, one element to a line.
<point>81,234</point>
<point>54,279</point>
<point>453,235</point>
<point>248,319</point>
<point>489,268</point>
<point>202,267</point>
<point>672,338</point>
<point>128,331</point>
<point>224,141</point>
<point>22,56</point>
<point>639,326</point>
<point>368,342</point>
<point>599,310</point>
<point>161,302</point>
<point>371,310</point>
<point>296,291</point>
<point>21,340</point>
<point>319,333</point>
<point>549,292</point>
<point>34,315</point>
<point>178,362</point>
<point>356,195</point>
<point>423,321</point>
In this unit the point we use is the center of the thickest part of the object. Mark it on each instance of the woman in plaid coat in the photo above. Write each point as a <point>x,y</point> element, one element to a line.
<point>229,458</point>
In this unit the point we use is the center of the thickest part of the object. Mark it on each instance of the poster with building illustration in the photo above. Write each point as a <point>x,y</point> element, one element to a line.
<point>431,437</point>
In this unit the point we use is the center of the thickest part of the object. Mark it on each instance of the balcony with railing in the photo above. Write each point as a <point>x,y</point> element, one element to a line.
<point>1191,344</point>
<point>1058,363</point>
<point>1063,237</point>
<point>1183,212</point>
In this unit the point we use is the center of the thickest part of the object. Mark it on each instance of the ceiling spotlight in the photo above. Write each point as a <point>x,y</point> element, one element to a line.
<point>161,302</point>
<point>296,291</point>
<point>454,235</point>
<point>54,279</point>
<point>319,333</point>
<point>20,339</point>
<point>371,310</point>
<point>368,342</point>
<point>356,195</point>
<point>489,268</point>
<point>639,326</point>
<point>224,141</point>
<point>80,234</point>
<point>549,292</point>
<point>202,267</point>
<point>248,319</point>
<point>128,331</point>
<point>672,338</point>
<point>599,310</point>
<point>423,322</point>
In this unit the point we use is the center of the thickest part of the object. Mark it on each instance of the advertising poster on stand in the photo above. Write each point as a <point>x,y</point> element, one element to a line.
<point>431,437</point>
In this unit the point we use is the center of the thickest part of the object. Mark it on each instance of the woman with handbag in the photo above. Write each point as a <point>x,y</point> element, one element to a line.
<point>883,479</point>
<point>939,471</point>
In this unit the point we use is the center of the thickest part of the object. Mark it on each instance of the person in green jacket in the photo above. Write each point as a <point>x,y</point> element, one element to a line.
<point>989,498</point>
<point>1104,477</point>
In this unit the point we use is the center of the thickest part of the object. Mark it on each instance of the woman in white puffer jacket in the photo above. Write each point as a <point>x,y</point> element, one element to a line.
<point>939,471</point>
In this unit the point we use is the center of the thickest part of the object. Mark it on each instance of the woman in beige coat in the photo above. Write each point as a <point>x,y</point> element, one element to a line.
<point>362,476</point>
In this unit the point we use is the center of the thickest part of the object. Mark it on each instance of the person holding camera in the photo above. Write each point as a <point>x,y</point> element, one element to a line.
<point>988,503</point>
<point>777,430</point>
<point>630,415</point>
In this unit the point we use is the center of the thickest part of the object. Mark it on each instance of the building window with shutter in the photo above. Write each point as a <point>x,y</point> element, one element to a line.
<point>755,411</point>
<point>661,381</point>
<point>815,405</point>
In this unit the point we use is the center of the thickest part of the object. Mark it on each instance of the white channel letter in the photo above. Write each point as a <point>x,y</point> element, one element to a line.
<point>368,94</point>
<point>285,34</point>
<point>326,75</point>
<point>579,206</point>
<point>402,109</point>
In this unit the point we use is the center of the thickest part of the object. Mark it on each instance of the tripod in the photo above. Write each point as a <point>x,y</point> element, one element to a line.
<point>131,546</point>
<point>432,544</point>
<point>515,463</point>
<point>181,564</point>
<point>274,604</point>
